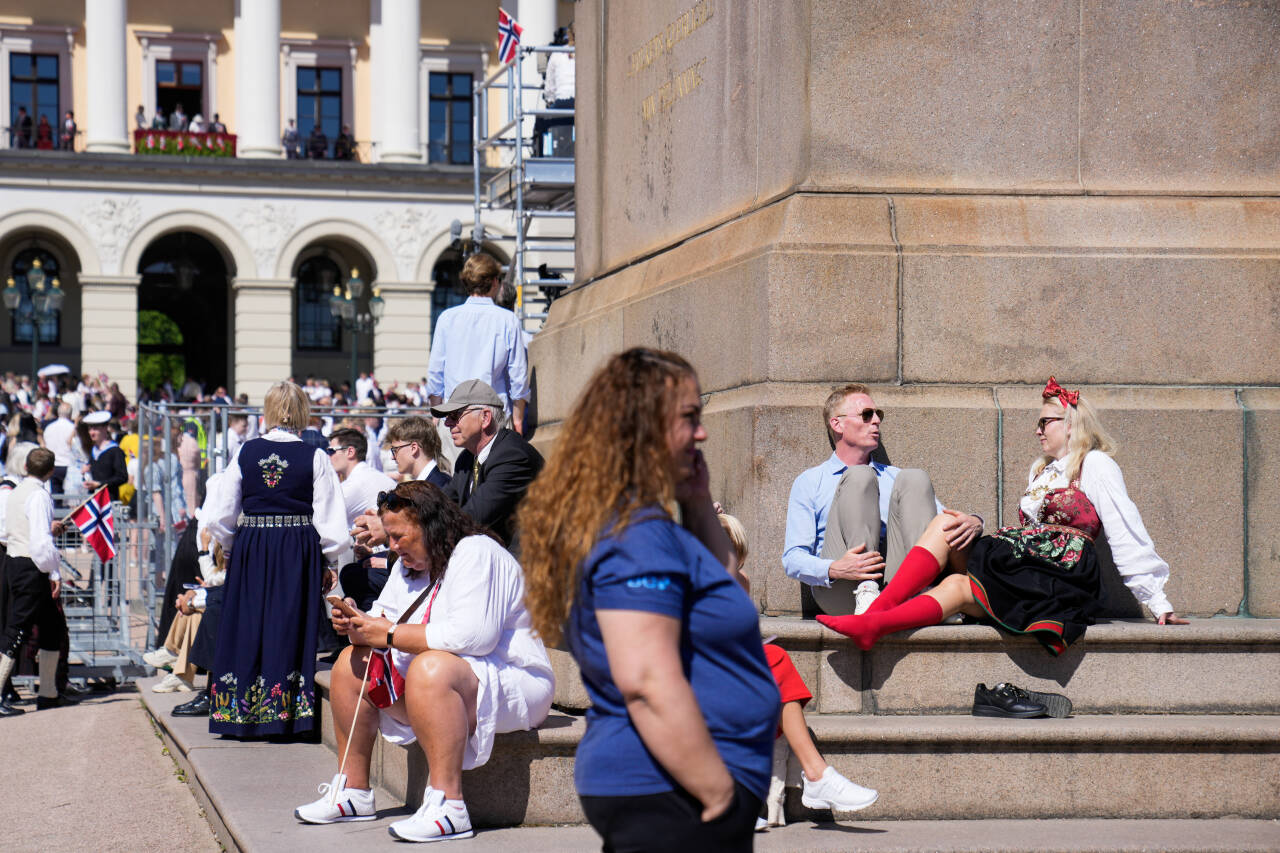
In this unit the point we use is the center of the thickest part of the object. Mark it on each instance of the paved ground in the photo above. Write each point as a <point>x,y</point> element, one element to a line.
<point>98,778</point>
<point>101,780</point>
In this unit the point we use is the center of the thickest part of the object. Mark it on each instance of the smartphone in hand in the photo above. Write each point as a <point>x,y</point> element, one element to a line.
<point>341,604</point>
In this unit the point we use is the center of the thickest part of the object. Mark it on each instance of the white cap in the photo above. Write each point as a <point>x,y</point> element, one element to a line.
<point>100,417</point>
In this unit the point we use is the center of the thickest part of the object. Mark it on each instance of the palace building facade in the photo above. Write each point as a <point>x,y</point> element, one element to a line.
<point>214,241</point>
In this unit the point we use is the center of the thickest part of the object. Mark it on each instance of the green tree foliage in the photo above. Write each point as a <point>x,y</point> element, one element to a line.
<point>156,329</point>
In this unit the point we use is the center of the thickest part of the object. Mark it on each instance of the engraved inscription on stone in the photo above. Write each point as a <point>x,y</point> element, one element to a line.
<point>681,83</point>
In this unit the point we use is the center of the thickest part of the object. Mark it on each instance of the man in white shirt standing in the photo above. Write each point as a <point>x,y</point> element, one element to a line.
<point>360,483</point>
<point>479,340</point>
<point>58,437</point>
<point>31,573</point>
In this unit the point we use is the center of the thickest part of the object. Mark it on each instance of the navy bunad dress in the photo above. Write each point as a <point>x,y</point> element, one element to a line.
<point>263,680</point>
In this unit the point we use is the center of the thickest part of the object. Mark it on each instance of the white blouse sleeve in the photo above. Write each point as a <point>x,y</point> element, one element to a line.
<point>328,511</point>
<point>221,510</point>
<point>469,616</point>
<point>1141,568</point>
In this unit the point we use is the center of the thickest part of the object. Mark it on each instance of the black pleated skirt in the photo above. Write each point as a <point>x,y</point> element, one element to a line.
<point>1039,580</point>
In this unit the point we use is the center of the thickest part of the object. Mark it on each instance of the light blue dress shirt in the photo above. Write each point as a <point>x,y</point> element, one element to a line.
<point>811,496</point>
<point>479,340</point>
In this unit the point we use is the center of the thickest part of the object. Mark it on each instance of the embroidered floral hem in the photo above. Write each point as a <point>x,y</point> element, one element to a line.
<point>286,706</point>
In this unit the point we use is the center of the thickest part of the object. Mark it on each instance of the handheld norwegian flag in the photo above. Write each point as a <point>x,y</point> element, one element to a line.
<point>94,520</point>
<point>508,37</point>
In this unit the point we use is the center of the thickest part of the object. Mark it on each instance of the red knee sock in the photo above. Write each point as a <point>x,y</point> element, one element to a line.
<point>869,627</point>
<point>917,571</point>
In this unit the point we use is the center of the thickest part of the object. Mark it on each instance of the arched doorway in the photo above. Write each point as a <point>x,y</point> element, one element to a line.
<point>322,344</point>
<point>59,336</point>
<point>184,331</point>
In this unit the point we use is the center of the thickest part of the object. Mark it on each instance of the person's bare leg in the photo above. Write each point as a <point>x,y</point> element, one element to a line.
<point>801,743</point>
<point>344,693</point>
<point>955,595</point>
<point>440,692</point>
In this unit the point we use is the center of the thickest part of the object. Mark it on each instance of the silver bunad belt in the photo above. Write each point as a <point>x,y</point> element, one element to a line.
<point>273,521</point>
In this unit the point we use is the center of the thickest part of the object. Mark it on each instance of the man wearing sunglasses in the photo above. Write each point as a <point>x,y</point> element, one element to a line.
<point>845,515</point>
<point>348,449</point>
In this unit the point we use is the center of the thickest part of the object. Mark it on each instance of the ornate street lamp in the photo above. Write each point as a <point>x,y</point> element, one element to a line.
<point>45,305</point>
<point>342,306</point>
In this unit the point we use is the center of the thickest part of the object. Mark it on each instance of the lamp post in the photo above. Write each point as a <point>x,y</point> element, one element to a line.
<point>45,304</point>
<point>343,306</point>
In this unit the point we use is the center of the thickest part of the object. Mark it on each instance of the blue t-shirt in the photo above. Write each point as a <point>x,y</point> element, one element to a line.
<point>657,566</point>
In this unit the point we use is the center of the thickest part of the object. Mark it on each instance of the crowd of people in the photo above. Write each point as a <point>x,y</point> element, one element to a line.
<point>429,558</point>
<point>177,120</point>
<point>43,135</point>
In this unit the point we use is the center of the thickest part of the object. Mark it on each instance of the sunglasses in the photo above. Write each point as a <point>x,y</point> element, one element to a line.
<point>453,417</point>
<point>865,414</point>
<point>392,501</point>
<point>333,450</point>
<point>1043,422</point>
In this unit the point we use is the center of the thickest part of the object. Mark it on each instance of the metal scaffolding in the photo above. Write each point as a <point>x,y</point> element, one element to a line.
<point>537,189</point>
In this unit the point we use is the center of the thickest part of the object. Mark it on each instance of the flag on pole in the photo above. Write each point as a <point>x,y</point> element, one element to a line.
<point>508,37</point>
<point>94,520</point>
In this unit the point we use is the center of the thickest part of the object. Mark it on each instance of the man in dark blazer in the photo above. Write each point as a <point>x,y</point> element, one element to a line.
<point>496,465</point>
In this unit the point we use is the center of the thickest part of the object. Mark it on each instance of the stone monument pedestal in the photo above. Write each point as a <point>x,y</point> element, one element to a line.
<point>949,203</point>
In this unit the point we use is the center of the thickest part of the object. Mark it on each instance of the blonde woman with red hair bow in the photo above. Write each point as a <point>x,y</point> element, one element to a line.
<point>1039,577</point>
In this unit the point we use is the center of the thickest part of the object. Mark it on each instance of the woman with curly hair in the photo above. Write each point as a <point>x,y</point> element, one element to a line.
<point>1039,577</point>
<point>624,557</point>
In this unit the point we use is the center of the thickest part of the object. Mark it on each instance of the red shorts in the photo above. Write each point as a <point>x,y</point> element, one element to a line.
<point>790,684</point>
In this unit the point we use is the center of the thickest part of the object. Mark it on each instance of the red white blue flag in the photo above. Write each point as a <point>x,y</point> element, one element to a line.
<point>94,520</point>
<point>508,37</point>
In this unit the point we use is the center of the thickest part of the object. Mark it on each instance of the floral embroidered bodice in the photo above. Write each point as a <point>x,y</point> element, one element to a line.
<point>1067,507</point>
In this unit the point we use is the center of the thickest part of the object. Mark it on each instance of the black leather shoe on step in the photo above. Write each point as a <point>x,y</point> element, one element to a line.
<point>1005,700</point>
<point>197,707</point>
<point>7,710</point>
<point>1055,704</point>
<point>44,703</point>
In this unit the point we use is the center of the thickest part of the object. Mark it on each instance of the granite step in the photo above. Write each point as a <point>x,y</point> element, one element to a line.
<point>1212,666</point>
<point>932,767</point>
<point>249,791</point>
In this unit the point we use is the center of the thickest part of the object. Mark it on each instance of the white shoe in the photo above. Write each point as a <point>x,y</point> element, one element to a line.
<point>867,592</point>
<point>761,824</point>
<point>437,819</point>
<point>836,793</point>
<point>338,804</point>
<point>159,658</point>
<point>172,684</point>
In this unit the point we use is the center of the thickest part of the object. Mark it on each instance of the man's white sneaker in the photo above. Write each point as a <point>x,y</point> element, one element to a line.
<point>338,803</point>
<point>172,684</point>
<point>761,824</point>
<point>836,793</point>
<point>159,658</point>
<point>867,592</point>
<point>437,819</point>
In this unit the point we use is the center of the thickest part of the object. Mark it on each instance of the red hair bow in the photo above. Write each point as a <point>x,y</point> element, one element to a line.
<point>1053,389</point>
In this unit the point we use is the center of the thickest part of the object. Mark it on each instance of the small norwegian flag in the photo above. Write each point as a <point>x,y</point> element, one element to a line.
<point>94,521</point>
<point>508,37</point>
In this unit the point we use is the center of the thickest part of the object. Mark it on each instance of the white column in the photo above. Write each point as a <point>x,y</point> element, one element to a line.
<point>402,340</point>
<point>104,40</point>
<point>395,61</point>
<point>264,356</point>
<point>257,57</point>
<point>109,328</point>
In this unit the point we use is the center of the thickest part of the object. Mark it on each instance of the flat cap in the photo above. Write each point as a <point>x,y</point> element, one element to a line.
<point>473,392</point>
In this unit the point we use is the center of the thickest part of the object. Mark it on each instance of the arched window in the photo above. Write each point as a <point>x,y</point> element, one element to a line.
<point>318,329</point>
<point>21,320</point>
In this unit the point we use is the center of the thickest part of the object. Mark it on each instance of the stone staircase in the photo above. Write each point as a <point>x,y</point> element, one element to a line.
<point>1169,722</point>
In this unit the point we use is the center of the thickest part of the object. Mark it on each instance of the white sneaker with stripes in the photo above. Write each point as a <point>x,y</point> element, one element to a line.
<point>438,819</point>
<point>338,803</point>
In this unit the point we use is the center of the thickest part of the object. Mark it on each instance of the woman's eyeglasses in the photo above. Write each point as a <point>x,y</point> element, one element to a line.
<point>865,414</point>
<point>1043,422</point>
<point>392,501</point>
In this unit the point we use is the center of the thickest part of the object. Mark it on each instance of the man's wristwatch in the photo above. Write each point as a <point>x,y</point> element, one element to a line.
<point>391,633</point>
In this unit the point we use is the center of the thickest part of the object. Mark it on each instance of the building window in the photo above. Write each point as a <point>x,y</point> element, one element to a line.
<point>33,85</point>
<point>180,83</point>
<point>449,118</point>
<point>319,103</point>
<point>318,329</point>
<point>21,325</point>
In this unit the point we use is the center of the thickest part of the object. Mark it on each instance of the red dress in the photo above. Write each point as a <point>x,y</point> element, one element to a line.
<point>1041,576</point>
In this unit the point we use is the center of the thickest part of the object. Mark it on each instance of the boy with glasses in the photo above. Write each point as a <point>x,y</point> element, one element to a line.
<point>847,513</point>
